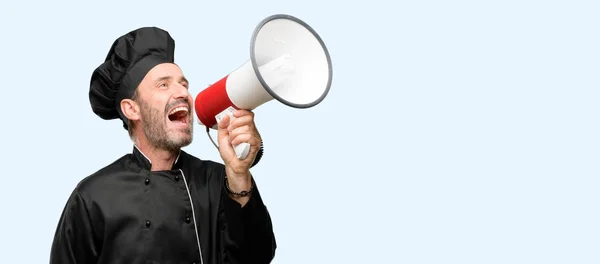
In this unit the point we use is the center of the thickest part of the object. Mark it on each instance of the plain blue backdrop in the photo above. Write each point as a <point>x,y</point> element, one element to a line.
<point>454,131</point>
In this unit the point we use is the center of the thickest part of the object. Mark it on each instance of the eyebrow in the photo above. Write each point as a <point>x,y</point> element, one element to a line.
<point>182,79</point>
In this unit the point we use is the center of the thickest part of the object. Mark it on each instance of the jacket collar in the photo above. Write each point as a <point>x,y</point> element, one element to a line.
<point>144,162</point>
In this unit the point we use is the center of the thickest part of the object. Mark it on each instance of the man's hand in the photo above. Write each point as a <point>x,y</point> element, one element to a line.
<point>241,129</point>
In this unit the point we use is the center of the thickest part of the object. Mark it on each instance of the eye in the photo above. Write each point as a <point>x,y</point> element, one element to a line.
<point>162,85</point>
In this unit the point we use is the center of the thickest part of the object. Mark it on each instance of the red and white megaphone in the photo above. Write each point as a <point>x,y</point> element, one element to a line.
<point>288,62</point>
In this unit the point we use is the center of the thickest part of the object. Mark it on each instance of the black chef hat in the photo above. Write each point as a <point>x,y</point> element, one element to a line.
<point>127,63</point>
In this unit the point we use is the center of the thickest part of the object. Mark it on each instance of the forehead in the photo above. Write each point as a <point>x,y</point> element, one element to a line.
<point>163,71</point>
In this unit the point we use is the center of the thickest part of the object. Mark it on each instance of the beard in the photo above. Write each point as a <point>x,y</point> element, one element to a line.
<point>154,124</point>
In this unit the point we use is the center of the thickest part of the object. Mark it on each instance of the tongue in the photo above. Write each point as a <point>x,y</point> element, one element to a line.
<point>178,116</point>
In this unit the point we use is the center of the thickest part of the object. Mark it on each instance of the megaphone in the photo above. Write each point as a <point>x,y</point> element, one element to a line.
<point>288,62</point>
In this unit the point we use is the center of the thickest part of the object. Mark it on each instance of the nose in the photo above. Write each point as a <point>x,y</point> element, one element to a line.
<point>181,91</point>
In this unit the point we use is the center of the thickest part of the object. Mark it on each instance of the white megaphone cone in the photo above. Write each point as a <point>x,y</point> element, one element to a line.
<point>288,62</point>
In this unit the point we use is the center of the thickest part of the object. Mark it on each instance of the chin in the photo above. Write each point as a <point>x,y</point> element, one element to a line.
<point>181,138</point>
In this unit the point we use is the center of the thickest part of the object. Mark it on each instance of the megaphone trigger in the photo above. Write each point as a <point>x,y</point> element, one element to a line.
<point>241,150</point>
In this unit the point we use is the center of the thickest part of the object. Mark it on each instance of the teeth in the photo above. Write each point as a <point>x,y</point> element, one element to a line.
<point>177,109</point>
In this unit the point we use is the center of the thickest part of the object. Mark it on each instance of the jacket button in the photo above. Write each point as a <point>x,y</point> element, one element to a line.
<point>187,219</point>
<point>177,177</point>
<point>147,223</point>
<point>147,181</point>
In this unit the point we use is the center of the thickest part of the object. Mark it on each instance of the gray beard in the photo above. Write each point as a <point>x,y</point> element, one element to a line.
<point>154,125</point>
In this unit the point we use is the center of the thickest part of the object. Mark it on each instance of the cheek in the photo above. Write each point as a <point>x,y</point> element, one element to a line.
<point>160,103</point>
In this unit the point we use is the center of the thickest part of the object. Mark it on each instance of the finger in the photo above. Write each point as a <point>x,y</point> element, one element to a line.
<point>245,130</point>
<point>242,112</point>
<point>244,138</point>
<point>240,130</point>
<point>241,121</point>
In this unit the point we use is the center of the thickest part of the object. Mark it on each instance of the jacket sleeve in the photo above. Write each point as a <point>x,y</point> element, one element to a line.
<point>73,240</point>
<point>246,232</point>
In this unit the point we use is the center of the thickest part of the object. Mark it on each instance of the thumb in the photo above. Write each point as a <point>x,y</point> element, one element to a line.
<point>224,124</point>
<point>223,133</point>
<point>225,147</point>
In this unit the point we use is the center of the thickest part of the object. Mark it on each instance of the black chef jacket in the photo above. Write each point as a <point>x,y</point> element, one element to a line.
<point>125,213</point>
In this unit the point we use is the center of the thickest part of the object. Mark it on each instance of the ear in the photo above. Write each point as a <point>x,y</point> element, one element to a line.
<point>130,109</point>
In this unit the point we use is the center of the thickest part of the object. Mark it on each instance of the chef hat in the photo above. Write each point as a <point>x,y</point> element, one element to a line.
<point>128,61</point>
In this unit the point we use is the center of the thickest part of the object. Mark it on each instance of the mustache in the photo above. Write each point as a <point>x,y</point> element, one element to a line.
<point>178,102</point>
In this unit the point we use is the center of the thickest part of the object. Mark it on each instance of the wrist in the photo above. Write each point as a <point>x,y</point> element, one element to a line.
<point>238,182</point>
<point>238,191</point>
<point>237,175</point>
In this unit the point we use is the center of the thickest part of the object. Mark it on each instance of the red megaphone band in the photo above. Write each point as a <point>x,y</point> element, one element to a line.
<point>212,101</point>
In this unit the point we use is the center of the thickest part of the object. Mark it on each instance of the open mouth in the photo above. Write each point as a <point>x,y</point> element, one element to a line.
<point>179,115</point>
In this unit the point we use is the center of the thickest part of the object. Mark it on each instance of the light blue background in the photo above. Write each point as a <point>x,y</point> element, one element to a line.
<point>454,132</point>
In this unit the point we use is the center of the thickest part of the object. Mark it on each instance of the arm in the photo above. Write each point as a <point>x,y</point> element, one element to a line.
<point>73,240</point>
<point>246,228</point>
<point>247,235</point>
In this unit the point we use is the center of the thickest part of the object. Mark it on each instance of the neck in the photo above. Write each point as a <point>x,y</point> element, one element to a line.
<point>160,159</point>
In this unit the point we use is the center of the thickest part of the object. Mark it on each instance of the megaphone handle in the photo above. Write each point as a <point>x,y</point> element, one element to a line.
<point>242,149</point>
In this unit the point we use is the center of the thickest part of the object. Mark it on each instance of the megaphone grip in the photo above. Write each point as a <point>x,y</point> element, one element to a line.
<point>259,154</point>
<point>242,150</point>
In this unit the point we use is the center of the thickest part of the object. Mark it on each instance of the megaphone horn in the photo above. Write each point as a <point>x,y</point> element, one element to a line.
<point>288,62</point>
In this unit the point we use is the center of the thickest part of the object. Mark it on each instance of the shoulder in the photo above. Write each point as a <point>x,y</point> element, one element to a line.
<point>207,171</point>
<point>198,163</point>
<point>101,178</point>
<point>86,192</point>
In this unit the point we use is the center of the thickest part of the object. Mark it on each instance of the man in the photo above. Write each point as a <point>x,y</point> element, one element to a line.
<point>160,204</point>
